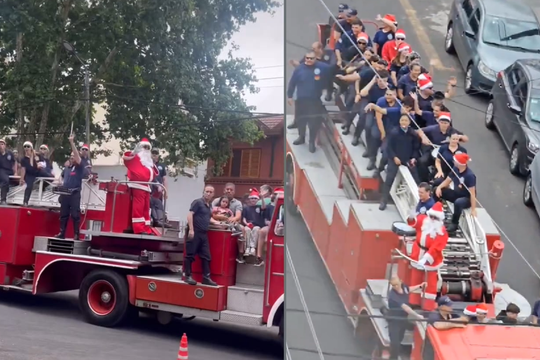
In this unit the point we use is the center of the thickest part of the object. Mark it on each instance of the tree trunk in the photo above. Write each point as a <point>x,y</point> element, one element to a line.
<point>66,7</point>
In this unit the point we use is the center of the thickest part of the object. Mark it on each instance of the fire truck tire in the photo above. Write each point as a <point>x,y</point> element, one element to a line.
<point>104,298</point>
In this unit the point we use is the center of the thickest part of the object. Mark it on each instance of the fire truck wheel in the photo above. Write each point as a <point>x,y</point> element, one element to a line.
<point>104,298</point>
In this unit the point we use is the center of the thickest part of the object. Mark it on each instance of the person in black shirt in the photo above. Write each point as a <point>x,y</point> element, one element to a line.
<point>199,219</point>
<point>402,148</point>
<point>398,311</point>
<point>44,151</point>
<point>443,318</point>
<point>70,205</point>
<point>33,166</point>
<point>8,167</point>
<point>86,161</point>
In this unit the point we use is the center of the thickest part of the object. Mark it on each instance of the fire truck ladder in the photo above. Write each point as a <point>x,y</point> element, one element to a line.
<point>466,257</point>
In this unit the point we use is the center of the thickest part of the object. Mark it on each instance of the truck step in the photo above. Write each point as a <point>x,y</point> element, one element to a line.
<point>241,318</point>
<point>245,298</point>
<point>63,246</point>
<point>250,275</point>
<point>28,275</point>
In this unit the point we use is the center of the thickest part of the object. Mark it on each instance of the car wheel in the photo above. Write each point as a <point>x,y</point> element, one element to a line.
<point>449,40</point>
<point>527,192</point>
<point>490,116</point>
<point>514,160</point>
<point>467,85</point>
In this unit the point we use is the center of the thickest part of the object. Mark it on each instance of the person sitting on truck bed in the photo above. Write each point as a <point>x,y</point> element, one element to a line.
<point>443,318</point>
<point>33,166</point>
<point>463,195</point>
<point>251,224</point>
<point>8,167</point>
<point>510,315</point>
<point>265,210</point>
<point>476,314</point>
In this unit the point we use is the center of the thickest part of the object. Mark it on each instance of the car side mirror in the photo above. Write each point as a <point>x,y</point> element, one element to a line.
<point>469,34</point>
<point>516,110</point>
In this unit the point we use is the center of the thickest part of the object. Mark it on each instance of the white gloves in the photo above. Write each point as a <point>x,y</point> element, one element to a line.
<point>422,261</point>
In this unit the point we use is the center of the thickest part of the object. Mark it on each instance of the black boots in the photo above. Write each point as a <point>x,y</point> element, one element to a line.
<point>206,270</point>
<point>300,140</point>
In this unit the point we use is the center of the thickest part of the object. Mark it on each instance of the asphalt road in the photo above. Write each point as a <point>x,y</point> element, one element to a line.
<point>51,328</point>
<point>499,191</point>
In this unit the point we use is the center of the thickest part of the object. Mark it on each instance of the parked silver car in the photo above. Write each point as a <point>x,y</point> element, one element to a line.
<point>488,36</point>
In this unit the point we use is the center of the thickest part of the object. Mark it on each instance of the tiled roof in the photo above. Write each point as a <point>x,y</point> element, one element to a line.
<point>272,122</point>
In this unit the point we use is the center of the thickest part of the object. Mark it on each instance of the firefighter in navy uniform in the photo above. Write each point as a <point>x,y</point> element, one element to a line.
<point>199,220</point>
<point>70,205</point>
<point>308,80</point>
<point>8,167</point>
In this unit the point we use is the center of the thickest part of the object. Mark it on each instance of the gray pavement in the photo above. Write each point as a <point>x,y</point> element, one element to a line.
<point>51,328</point>
<point>499,191</point>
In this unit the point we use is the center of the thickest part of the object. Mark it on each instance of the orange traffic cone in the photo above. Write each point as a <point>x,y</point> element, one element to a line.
<point>183,350</point>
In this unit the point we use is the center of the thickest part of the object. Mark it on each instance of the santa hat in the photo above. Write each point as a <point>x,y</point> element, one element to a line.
<point>145,142</point>
<point>424,82</point>
<point>400,34</point>
<point>437,211</point>
<point>481,309</point>
<point>462,159</point>
<point>445,116</point>
<point>28,143</point>
<point>362,37</point>
<point>253,194</point>
<point>279,191</point>
<point>43,146</point>
<point>390,17</point>
<point>470,310</point>
<point>404,47</point>
<point>3,141</point>
<point>85,146</point>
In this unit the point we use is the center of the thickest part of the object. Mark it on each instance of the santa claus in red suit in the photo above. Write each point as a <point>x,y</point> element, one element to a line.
<point>427,253</point>
<point>141,168</point>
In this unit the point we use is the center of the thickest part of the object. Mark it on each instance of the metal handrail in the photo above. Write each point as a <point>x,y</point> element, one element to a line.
<point>118,182</point>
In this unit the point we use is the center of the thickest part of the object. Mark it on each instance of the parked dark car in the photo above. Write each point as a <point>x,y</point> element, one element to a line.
<point>532,186</point>
<point>514,110</point>
<point>488,36</point>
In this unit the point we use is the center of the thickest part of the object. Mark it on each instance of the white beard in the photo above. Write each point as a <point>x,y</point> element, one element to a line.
<point>432,227</point>
<point>146,158</point>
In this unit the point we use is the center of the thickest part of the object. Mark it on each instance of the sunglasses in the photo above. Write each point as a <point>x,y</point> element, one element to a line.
<point>27,147</point>
<point>362,43</point>
<point>310,58</point>
<point>400,38</point>
<point>43,149</point>
<point>84,149</point>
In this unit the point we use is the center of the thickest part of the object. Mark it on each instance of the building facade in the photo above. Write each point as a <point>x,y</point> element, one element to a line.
<point>251,166</point>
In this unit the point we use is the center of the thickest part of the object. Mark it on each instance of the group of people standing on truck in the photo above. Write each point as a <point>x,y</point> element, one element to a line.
<point>392,97</point>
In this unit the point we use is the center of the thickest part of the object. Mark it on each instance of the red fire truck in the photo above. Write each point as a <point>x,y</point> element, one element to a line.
<point>362,247</point>
<point>119,274</point>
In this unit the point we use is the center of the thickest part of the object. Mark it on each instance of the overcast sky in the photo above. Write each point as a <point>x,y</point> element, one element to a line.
<point>263,42</point>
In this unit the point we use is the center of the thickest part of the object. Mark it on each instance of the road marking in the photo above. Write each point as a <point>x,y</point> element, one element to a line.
<point>425,41</point>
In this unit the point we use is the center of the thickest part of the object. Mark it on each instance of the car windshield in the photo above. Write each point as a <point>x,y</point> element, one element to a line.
<point>513,34</point>
<point>534,109</point>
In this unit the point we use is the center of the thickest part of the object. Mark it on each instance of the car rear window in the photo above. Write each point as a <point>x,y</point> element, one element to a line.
<point>509,33</point>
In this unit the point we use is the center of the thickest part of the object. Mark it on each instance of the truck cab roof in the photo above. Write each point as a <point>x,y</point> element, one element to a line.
<point>486,341</point>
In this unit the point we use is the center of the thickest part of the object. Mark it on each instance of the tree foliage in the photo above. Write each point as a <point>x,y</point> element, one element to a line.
<point>154,68</point>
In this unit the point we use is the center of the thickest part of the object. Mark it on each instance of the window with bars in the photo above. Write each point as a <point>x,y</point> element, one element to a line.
<point>244,163</point>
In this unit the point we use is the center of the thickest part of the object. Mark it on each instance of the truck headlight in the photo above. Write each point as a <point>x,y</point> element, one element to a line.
<point>486,71</point>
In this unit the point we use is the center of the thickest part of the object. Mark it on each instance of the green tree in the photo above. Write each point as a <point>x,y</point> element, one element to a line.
<point>153,63</point>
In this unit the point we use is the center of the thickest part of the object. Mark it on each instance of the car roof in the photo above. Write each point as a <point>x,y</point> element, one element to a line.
<point>487,341</point>
<point>515,10</point>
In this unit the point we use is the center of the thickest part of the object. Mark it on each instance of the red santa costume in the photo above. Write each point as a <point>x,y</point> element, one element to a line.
<point>427,251</point>
<point>140,168</point>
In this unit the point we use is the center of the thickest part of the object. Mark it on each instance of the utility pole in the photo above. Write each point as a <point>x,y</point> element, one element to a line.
<point>87,103</point>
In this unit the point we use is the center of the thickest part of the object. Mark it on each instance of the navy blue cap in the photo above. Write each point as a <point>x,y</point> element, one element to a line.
<point>343,7</point>
<point>351,12</point>
<point>445,301</point>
